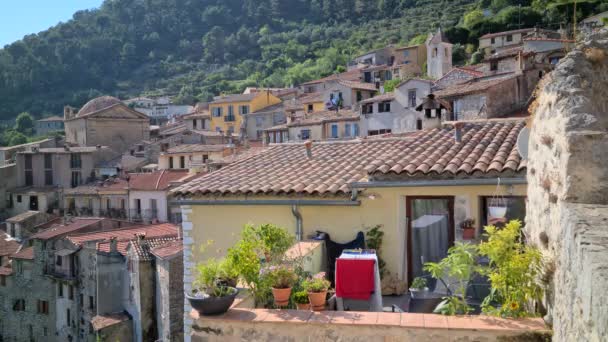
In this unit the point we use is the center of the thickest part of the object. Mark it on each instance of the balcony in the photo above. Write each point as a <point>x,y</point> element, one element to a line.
<point>230,118</point>
<point>143,215</point>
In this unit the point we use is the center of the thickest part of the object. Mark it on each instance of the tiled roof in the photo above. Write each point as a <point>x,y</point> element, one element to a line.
<point>111,184</point>
<point>311,97</point>
<point>235,98</point>
<point>128,233</point>
<point>351,75</point>
<point>470,87</point>
<point>316,118</point>
<point>62,229</point>
<point>98,104</point>
<point>76,149</point>
<point>551,39</point>
<point>104,321</point>
<point>169,249</point>
<point>358,85</point>
<point>190,148</point>
<point>379,98</point>
<point>504,33</point>
<point>143,248</point>
<point>157,180</point>
<point>487,148</point>
<point>8,246</point>
<point>25,254</point>
<point>23,216</point>
<point>270,109</point>
<point>51,118</point>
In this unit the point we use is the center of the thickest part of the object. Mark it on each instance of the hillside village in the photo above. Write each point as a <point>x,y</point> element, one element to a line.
<point>102,224</point>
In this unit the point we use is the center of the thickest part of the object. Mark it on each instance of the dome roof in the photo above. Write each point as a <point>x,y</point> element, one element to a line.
<point>98,104</point>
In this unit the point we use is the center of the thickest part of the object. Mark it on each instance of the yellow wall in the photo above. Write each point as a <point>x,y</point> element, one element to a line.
<point>222,224</point>
<point>316,106</point>
<point>262,100</point>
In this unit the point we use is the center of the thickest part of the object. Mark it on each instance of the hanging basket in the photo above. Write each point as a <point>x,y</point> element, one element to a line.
<point>497,205</point>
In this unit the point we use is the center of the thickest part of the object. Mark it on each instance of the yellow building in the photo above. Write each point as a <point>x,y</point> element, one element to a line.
<point>418,188</point>
<point>227,112</point>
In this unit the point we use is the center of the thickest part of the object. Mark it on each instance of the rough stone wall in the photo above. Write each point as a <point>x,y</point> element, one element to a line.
<point>568,191</point>
<point>176,297</point>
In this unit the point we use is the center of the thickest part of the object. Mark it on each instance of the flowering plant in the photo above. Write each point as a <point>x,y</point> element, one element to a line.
<point>279,277</point>
<point>317,283</point>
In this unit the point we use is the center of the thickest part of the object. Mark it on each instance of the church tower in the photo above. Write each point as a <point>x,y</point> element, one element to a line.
<point>438,55</point>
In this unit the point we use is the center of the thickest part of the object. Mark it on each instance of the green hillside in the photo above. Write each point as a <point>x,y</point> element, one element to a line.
<point>194,49</point>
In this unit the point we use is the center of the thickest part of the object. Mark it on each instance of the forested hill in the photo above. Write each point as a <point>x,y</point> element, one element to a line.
<point>194,49</point>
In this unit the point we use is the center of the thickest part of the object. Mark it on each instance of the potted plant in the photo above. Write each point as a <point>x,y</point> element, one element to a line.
<point>280,278</point>
<point>210,296</point>
<point>468,229</point>
<point>229,274</point>
<point>317,287</point>
<point>418,287</point>
<point>301,300</point>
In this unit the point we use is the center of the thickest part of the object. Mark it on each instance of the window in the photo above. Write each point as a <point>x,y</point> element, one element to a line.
<point>216,111</point>
<point>310,107</point>
<point>18,198</point>
<point>75,178</point>
<point>153,204</point>
<point>19,305</point>
<point>29,178</point>
<point>510,38</point>
<point>411,98</point>
<point>138,205</point>
<point>170,162</point>
<point>347,130</point>
<point>182,162</point>
<point>59,290</point>
<point>48,161</point>
<point>435,52</point>
<point>122,203</point>
<point>367,108</point>
<point>71,292</point>
<point>108,203</point>
<point>244,109</point>
<point>334,131</point>
<point>48,177</point>
<point>305,134</point>
<point>68,317</point>
<point>355,130</point>
<point>419,124</point>
<point>75,161</point>
<point>493,40</point>
<point>194,123</point>
<point>28,161</point>
<point>2,280</point>
<point>45,331</point>
<point>58,260</point>
<point>43,307</point>
<point>359,96</point>
<point>378,131</point>
<point>516,209</point>
<point>406,53</point>
<point>384,107</point>
<point>91,303</point>
<point>493,65</point>
<point>230,111</point>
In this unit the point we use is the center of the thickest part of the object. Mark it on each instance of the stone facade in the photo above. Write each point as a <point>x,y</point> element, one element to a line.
<point>170,297</point>
<point>568,191</point>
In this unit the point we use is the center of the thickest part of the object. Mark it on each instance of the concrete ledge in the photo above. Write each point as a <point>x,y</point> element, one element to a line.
<point>295,325</point>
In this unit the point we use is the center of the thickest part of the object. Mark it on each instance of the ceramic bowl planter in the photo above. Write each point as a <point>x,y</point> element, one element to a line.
<point>210,305</point>
<point>497,212</point>
<point>317,300</point>
<point>281,296</point>
<point>468,233</point>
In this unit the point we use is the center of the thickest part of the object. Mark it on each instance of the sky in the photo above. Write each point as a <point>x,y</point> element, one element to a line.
<point>22,17</point>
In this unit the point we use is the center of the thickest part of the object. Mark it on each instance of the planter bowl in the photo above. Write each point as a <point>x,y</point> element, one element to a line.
<point>208,305</point>
<point>281,296</point>
<point>317,300</point>
<point>468,233</point>
<point>419,293</point>
<point>497,212</point>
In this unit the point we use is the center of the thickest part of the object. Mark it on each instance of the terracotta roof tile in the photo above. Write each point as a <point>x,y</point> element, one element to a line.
<point>6,271</point>
<point>189,148</point>
<point>62,229</point>
<point>8,246</point>
<point>25,253</point>
<point>169,249</point>
<point>235,98</point>
<point>378,98</point>
<point>129,233</point>
<point>471,87</point>
<point>104,321</point>
<point>158,180</point>
<point>485,147</point>
<point>351,75</point>
<point>358,85</point>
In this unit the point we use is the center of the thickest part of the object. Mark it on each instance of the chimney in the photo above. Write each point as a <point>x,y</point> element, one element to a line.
<point>113,244</point>
<point>308,146</point>
<point>458,131</point>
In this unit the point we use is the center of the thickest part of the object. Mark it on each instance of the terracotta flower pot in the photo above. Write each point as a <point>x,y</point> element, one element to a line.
<point>305,306</point>
<point>468,233</point>
<point>317,300</point>
<point>281,296</point>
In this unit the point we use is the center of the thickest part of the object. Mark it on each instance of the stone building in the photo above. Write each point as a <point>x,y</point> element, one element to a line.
<point>49,125</point>
<point>23,225</point>
<point>568,191</point>
<point>439,55</point>
<point>106,121</point>
<point>100,198</point>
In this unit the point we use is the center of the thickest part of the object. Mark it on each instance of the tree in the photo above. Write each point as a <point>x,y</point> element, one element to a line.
<point>473,18</point>
<point>24,123</point>
<point>419,39</point>
<point>213,42</point>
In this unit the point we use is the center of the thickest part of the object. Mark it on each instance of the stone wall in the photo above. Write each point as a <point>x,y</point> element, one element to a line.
<point>293,325</point>
<point>568,191</point>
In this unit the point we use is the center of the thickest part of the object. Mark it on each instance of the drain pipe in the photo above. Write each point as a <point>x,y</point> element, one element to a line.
<point>298,216</point>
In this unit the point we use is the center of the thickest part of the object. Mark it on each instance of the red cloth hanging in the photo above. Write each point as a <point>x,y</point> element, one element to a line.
<point>355,278</point>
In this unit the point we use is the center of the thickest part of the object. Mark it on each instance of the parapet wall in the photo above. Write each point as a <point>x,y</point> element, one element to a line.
<point>567,214</point>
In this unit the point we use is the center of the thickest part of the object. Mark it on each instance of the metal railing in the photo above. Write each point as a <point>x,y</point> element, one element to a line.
<point>143,215</point>
<point>229,118</point>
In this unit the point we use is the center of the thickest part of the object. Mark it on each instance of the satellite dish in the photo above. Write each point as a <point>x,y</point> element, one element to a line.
<point>522,142</point>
